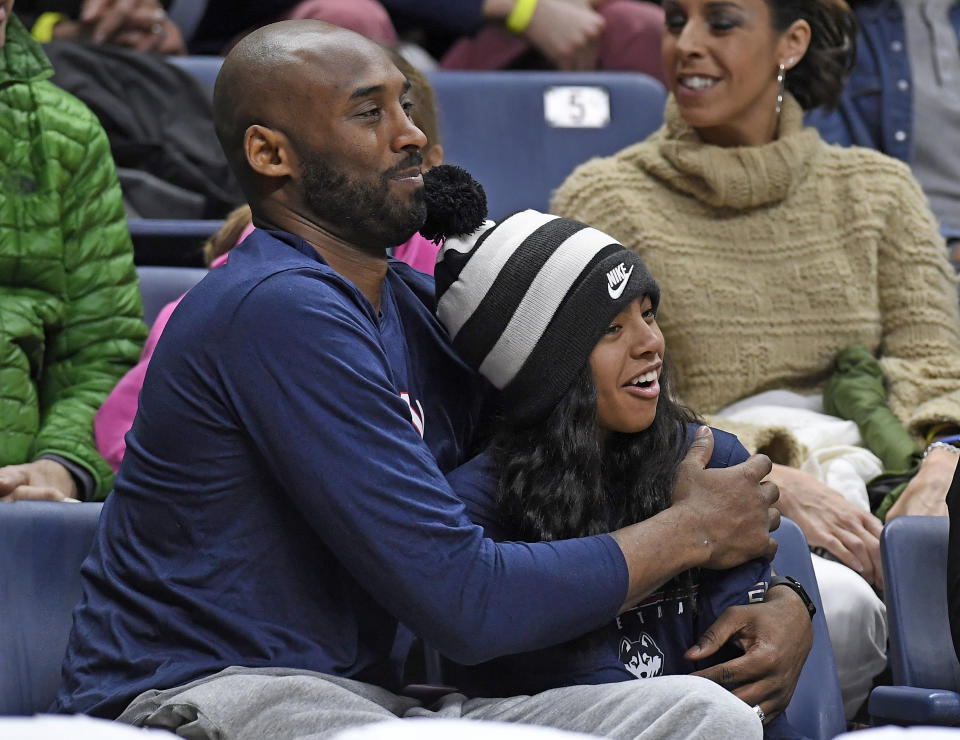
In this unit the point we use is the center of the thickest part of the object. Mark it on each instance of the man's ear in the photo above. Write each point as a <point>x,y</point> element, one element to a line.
<point>268,151</point>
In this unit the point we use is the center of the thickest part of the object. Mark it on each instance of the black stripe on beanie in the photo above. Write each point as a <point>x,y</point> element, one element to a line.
<point>482,330</point>
<point>572,334</point>
<point>452,262</point>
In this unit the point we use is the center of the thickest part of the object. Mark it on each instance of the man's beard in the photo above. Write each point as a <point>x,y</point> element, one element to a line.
<point>365,214</point>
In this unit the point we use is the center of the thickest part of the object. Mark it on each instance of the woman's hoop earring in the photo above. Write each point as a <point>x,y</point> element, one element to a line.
<point>781,73</point>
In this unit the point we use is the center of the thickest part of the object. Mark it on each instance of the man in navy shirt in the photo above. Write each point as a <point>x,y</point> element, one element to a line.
<point>282,504</point>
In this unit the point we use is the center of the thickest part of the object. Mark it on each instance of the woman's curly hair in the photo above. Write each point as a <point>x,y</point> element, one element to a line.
<point>819,77</point>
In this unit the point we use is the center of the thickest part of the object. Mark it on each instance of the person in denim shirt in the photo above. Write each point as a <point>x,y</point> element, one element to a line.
<point>903,93</point>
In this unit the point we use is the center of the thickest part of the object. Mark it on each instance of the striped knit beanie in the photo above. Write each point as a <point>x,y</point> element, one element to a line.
<point>525,302</point>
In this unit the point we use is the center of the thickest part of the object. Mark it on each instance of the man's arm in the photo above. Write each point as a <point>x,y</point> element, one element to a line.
<point>315,390</point>
<point>720,518</point>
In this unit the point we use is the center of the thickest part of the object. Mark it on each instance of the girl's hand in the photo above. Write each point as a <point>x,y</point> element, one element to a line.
<point>926,493</point>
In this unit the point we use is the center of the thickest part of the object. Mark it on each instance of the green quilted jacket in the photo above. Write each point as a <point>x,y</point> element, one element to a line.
<point>70,313</point>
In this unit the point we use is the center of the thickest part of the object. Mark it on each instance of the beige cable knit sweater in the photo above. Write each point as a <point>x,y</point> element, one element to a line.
<point>771,259</point>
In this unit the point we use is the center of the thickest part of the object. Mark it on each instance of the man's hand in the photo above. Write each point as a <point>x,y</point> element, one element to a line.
<point>926,493</point>
<point>566,32</point>
<point>719,518</point>
<point>732,507</point>
<point>775,637</point>
<point>828,520</point>
<point>41,480</point>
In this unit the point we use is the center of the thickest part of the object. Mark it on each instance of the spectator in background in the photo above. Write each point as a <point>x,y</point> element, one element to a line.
<point>224,21</point>
<point>69,304</point>
<point>536,34</point>
<point>138,24</point>
<point>903,98</point>
<point>775,252</point>
<point>145,26</point>
<point>109,53</point>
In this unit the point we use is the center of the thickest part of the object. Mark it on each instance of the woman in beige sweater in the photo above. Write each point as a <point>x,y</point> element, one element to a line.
<point>775,252</point>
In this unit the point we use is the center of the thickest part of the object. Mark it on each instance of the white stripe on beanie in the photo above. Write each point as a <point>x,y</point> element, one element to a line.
<point>462,298</point>
<point>540,302</point>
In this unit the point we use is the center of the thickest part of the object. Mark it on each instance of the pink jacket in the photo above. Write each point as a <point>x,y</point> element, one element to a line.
<point>419,253</point>
<point>115,417</point>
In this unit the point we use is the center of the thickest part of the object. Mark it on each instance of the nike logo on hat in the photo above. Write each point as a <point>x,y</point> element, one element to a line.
<point>617,280</point>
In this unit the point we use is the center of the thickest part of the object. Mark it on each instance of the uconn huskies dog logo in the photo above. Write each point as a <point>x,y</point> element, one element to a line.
<point>617,280</point>
<point>642,658</point>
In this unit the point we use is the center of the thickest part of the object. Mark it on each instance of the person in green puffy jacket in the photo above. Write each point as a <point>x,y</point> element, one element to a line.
<point>70,312</point>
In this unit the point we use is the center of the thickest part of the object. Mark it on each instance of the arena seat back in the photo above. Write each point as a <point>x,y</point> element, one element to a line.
<point>816,709</point>
<point>205,68</point>
<point>521,133</point>
<point>160,285</point>
<point>926,673</point>
<point>42,545</point>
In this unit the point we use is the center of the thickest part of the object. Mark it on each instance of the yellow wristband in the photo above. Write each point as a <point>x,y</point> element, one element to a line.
<point>42,30</point>
<point>521,15</point>
<point>938,429</point>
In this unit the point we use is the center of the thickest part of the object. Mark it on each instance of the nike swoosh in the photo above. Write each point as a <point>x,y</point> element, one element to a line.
<point>618,291</point>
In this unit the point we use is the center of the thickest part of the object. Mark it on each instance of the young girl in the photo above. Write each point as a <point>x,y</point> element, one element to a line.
<point>562,320</point>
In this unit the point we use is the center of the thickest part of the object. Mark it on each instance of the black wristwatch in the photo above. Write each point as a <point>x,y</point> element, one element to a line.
<point>797,587</point>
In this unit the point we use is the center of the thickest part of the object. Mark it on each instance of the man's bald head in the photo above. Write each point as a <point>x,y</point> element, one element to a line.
<point>266,78</point>
<point>315,122</point>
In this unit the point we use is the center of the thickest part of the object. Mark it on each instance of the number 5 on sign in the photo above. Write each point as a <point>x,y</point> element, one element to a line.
<point>576,106</point>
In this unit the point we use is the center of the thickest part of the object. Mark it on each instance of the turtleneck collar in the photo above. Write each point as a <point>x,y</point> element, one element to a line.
<point>736,177</point>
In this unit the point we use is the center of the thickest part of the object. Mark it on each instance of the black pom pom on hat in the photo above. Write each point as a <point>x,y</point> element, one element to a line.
<point>456,203</point>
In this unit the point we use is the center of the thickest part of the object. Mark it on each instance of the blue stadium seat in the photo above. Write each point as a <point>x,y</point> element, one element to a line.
<point>160,285</point>
<point>42,545</point>
<point>926,673</point>
<point>816,709</point>
<point>521,133</point>
<point>187,14</point>
<point>204,68</point>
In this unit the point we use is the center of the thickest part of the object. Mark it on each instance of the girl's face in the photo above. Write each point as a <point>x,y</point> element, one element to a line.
<point>721,59</point>
<point>626,366</point>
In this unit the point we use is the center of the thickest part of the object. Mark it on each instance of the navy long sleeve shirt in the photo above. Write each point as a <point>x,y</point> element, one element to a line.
<point>282,501</point>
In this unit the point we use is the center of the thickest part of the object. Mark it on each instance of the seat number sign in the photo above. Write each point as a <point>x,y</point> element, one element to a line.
<point>576,106</point>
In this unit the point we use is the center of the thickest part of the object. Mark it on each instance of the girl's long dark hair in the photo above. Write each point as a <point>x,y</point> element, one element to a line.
<point>556,481</point>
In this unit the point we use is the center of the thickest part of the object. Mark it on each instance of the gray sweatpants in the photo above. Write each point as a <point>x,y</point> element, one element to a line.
<point>240,703</point>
